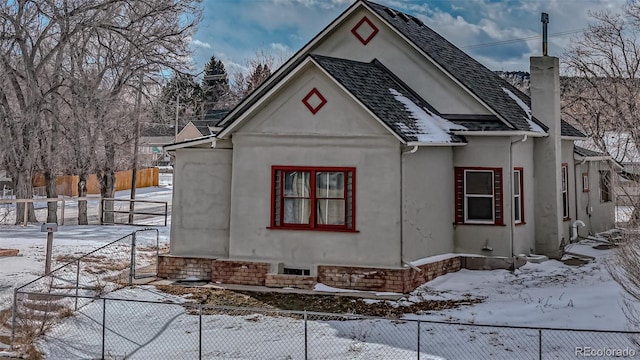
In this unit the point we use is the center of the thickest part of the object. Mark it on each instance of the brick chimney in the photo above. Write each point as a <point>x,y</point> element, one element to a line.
<point>545,106</point>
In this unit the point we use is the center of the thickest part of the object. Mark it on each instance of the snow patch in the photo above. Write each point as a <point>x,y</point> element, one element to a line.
<point>434,129</point>
<point>534,127</point>
<point>435,258</point>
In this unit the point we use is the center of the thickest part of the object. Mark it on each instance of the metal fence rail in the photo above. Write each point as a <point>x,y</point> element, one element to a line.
<point>109,328</point>
<point>39,304</point>
<point>123,211</point>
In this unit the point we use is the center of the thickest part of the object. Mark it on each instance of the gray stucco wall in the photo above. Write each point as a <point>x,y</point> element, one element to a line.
<point>201,203</point>
<point>601,216</point>
<point>428,203</point>
<point>524,241</point>
<point>284,132</point>
<point>485,152</point>
<point>567,158</point>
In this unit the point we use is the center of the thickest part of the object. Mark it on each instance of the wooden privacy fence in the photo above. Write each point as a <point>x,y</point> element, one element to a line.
<point>67,185</point>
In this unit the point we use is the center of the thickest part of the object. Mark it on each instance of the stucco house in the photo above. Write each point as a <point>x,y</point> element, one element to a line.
<point>371,158</point>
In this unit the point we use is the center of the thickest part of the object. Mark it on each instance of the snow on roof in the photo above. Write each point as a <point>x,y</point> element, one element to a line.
<point>619,145</point>
<point>434,128</point>
<point>534,127</point>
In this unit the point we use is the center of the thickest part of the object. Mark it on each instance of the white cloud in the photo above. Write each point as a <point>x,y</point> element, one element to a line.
<point>201,44</point>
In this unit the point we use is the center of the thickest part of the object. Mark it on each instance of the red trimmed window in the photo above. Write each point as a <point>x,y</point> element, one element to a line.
<point>313,198</point>
<point>565,191</point>
<point>479,196</point>
<point>585,182</point>
<point>518,196</point>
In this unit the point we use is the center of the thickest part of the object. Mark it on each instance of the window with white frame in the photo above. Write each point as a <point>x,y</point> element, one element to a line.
<point>518,203</point>
<point>479,196</point>
<point>565,191</point>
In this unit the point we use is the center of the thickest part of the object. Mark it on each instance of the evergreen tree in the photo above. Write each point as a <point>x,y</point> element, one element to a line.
<point>184,92</point>
<point>215,85</point>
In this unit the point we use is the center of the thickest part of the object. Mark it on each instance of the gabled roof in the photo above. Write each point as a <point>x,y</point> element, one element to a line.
<point>204,126</point>
<point>588,153</point>
<point>482,82</point>
<point>485,85</point>
<point>392,101</point>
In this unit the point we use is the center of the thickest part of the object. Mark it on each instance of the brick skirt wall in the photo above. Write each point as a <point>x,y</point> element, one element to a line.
<point>378,279</point>
<point>176,267</point>
<point>239,272</point>
<point>294,281</point>
<point>401,280</point>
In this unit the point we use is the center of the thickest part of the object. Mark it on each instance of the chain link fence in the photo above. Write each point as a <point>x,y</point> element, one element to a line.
<point>110,328</point>
<point>47,300</point>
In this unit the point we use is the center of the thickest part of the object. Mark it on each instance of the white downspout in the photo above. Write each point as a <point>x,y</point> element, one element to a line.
<point>574,229</point>
<point>512,220</point>
<point>402,203</point>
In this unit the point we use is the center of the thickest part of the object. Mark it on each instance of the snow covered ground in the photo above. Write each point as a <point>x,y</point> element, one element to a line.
<point>550,294</point>
<point>69,240</point>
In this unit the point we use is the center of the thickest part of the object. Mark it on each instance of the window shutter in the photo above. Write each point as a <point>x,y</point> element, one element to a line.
<point>349,212</point>
<point>277,197</point>
<point>497,191</point>
<point>459,189</point>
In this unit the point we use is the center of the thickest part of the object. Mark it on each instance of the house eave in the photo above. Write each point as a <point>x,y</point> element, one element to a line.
<point>418,143</point>
<point>573,138</point>
<point>500,133</point>
<point>191,142</point>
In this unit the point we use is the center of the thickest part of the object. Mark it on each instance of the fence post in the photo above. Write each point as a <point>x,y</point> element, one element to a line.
<point>540,344</point>
<point>24,215</point>
<point>418,339</point>
<point>77,283</point>
<point>14,314</point>
<point>62,212</point>
<point>166,210</point>
<point>132,267</point>
<point>306,338</point>
<point>200,331</point>
<point>100,206</point>
<point>104,325</point>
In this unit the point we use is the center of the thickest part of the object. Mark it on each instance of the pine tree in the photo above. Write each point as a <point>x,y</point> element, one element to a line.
<point>215,85</point>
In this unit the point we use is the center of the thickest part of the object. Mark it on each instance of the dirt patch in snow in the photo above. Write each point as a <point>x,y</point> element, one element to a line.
<point>310,302</point>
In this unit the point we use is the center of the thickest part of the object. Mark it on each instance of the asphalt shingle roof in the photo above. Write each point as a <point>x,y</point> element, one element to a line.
<point>586,152</point>
<point>370,83</point>
<point>481,81</point>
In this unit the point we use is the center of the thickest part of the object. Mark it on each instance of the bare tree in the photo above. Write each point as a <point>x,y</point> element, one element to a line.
<point>119,40</point>
<point>603,96</point>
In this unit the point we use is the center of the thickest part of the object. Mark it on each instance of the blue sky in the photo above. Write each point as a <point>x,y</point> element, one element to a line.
<point>233,30</point>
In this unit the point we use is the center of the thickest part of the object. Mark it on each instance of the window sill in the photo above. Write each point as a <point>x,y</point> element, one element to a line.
<point>566,219</point>
<point>479,224</point>
<point>520,223</point>
<point>313,229</point>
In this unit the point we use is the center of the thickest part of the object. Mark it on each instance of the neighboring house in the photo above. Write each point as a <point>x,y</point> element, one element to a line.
<point>205,127</point>
<point>378,146</point>
<point>152,140</point>
<point>595,194</point>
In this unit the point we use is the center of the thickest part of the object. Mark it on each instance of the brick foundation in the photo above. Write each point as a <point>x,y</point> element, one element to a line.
<point>400,280</point>
<point>239,272</point>
<point>294,281</point>
<point>176,267</point>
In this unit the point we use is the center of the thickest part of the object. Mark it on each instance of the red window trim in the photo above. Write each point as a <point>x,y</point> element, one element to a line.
<point>565,166</point>
<point>312,220</point>
<point>498,200</point>
<point>522,218</point>
<point>585,184</point>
